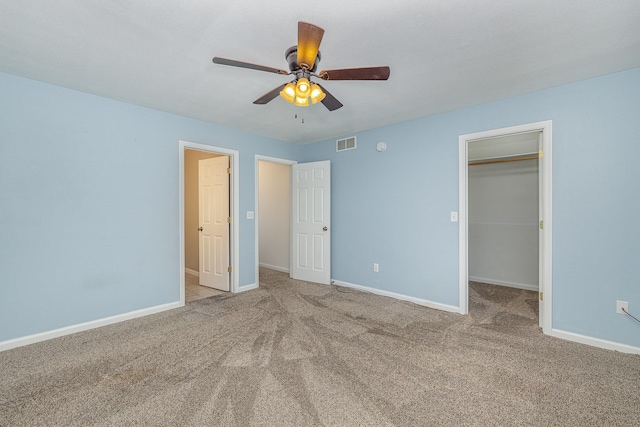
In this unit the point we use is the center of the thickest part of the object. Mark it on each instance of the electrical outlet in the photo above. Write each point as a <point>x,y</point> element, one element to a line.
<point>620,305</point>
<point>376,267</point>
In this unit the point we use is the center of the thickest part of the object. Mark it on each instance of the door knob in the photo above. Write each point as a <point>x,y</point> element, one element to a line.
<point>199,228</point>
<point>325,228</point>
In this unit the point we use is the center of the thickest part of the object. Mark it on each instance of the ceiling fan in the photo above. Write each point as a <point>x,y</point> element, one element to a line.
<point>303,61</point>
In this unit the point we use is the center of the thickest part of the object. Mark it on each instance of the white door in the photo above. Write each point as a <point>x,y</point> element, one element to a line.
<point>213,208</point>
<point>311,222</point>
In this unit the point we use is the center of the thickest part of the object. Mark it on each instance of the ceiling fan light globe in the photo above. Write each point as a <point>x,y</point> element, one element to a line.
<point>303,88</point>
<point>302,102</point>
<point>317,94</point>
<point>288,93</point>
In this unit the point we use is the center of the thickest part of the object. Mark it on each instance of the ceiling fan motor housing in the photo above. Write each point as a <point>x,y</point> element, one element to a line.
<point>291,55</point>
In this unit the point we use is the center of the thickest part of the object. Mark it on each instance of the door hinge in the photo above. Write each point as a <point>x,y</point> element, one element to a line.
<point>541,225</point>
<point>229,171</point>
<point>229,269</point>
<point>541,296</point>
<point>540,153</point>
<point>229,219</point>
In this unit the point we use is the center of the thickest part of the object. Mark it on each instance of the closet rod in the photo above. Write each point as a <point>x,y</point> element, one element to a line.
<point>504,160</point>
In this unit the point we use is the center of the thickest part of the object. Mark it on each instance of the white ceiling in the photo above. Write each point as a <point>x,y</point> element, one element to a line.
<point>443,54</point>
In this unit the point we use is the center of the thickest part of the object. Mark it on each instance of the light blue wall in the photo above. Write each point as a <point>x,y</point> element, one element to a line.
<point>89,204</point>
<point>393,207</point>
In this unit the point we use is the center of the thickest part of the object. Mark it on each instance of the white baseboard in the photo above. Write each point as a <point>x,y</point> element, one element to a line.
<point>68,330</point>
<point>246,288</point>
<point>423,302</point>
<point>274,267</point>
<point>516,285</point>
<point>192,272</point>
<point>595,342</point>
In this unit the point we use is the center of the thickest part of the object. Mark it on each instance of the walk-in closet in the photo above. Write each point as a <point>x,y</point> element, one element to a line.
<point>503,211</point>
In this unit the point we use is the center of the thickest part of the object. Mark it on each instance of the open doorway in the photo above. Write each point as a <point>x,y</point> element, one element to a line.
<point>208,220</point>
<point>503,209</point>
<point>207,229</point>
<point>505,212</point>
<point>273,210</point>
<point>309,218</point>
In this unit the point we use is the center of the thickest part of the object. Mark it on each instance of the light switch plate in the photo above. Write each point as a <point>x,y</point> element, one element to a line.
<point>250,215</point>
<point>454,216</point>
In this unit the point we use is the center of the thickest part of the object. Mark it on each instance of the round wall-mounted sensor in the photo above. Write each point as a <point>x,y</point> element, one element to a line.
<point>381,146</point>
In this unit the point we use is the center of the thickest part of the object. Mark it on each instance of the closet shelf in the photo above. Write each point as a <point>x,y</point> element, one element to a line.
<point>505,159</point>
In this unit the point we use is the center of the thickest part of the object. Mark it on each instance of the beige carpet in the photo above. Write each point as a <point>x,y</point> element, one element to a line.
<point>299,354</point>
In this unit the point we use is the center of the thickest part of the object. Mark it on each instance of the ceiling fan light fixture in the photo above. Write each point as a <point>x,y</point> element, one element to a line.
<point>288,93</point>
<point>317,94</point>
<point>303,88</point>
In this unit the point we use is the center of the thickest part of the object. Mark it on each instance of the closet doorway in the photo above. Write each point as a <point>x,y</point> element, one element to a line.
<point>505,212</point>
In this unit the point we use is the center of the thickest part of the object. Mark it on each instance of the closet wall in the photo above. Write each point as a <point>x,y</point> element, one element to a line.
<point>273,215</point>
<point>503,213</point>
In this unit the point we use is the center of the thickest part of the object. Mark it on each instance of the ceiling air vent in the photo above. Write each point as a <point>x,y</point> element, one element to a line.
<point>346,144</point>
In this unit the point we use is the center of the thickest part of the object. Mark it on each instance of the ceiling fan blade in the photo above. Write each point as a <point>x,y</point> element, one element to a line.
<point>329,100</point>
<point>368,73</point>
<point>234,63</point>
<point>269,96</point>
<point>309,38</point>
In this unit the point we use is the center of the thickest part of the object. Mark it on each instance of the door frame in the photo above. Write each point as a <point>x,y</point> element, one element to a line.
<point>234,193</point>
<point>544,242</point>
<point>259,158</point>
